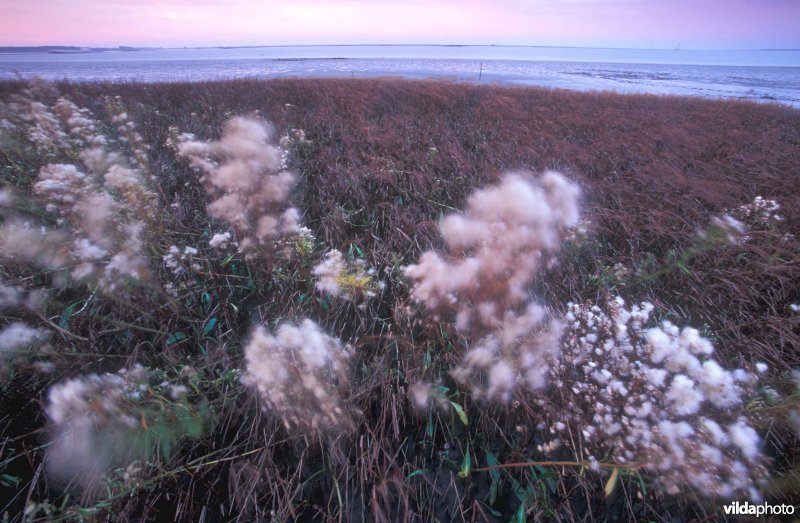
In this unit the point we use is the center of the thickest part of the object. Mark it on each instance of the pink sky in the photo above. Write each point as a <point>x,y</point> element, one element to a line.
<point>699,24</point>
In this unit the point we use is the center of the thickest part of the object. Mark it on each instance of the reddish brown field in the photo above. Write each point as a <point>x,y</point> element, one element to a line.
<point>386,159</point>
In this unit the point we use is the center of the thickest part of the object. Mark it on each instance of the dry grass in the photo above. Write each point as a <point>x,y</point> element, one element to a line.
<point>383,161</point>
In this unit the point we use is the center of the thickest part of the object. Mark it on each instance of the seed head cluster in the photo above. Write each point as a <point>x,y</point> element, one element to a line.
<point>39,124</point>
<point>90,418</point>
<point>759,214</point>
<point>653,397</point>
<point>508,234</point>
<point>243,173</point>
<point>346,279</point>
<point>101,422</point>
<point>300,373</point>
<point>104,207</point>
<point>127,132</point>
<point>19,336</point>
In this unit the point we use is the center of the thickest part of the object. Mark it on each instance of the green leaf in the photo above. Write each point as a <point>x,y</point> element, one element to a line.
<point>460,411</point>
<point>354,251</point>
<point>63,322</point>
<point>493,512</point>
<point>417,472</point>
<point>520,516</point>
<point>491,461</point>
<point>521,493</point>
<point>466,465</point>
<point>9,480</point>
<point>175,338</point>
<point>193,425</point>
<point>209,326</point>
<point>166,445</point>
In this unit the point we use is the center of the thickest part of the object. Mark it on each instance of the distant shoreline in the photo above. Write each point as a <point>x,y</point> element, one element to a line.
<point>760,76</point>
<point>67,49</point>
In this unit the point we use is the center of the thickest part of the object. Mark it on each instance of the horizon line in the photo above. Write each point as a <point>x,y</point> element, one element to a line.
<point>246,46</point>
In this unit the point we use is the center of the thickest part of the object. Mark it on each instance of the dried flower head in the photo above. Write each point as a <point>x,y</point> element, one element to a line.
<point>103,422</point>
<point>19,336</point>
<point>759,214</point>
<point>654,397</point>
<point>243,172</point>
<point>344,278</point>
<point>299,373</point>
<point>104,208</point>
<point>507,234</point>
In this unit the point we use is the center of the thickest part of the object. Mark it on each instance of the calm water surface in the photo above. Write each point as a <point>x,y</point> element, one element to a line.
<point>770,75</point>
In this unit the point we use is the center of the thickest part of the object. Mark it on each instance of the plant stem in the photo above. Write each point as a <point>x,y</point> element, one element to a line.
<point>582,464</point>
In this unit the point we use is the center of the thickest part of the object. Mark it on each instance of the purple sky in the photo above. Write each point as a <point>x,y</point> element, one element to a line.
<point>694,24</point>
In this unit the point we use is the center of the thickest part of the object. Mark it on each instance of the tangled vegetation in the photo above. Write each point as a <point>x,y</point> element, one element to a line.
<point>388,300</point>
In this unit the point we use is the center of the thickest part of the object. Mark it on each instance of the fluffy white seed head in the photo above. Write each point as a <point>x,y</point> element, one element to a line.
<point>244,175</point>
<point>299,373</point>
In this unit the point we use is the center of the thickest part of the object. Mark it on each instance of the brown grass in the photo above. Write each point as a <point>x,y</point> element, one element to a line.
<point>387,158</point>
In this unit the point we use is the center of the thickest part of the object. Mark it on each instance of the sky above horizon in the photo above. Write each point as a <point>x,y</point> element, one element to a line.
<point>690,24</point>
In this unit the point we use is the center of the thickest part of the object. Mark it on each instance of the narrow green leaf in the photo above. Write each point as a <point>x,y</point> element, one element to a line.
<point>642,485</point>
<point>417,472</point>
<point>460,411</point>
<point>521,493</point>
<point>166,446</point>
<point>520,516</point>
<point>63,322</point>
<point>9,480</point>
<point>209,326</point>
<point>491,461</point>
<point>427,360</point>
<point>175,338</point>
<point>494,513</point>
<point>466,464</point>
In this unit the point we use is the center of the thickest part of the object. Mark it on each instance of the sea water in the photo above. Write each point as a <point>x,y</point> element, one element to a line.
<point>761,75</point>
